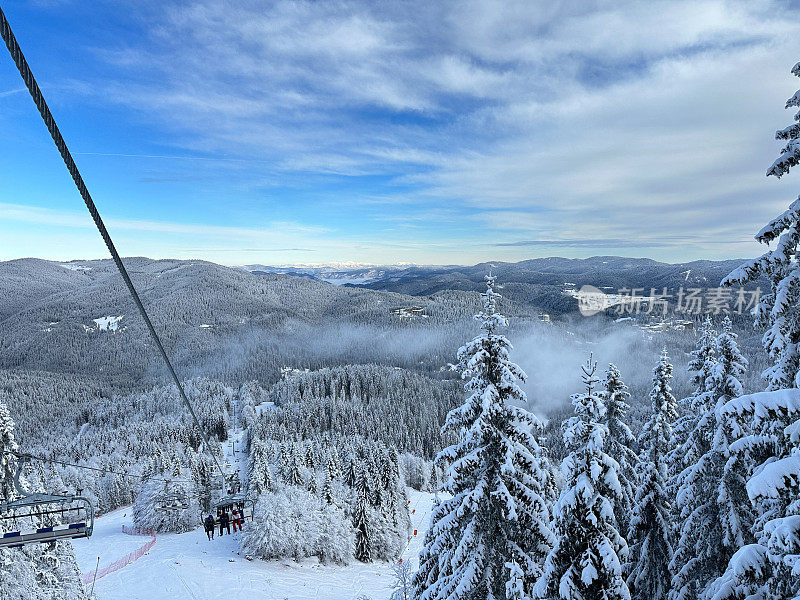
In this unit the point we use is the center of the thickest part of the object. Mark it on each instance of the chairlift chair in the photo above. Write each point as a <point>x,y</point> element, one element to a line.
<point>171,501</point>
<point>242,502</point>
<point>35,504</point>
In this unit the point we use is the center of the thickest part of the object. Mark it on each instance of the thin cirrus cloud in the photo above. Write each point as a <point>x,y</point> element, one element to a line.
<point>5,93</point>
<point>588,243</point>
<point>43,216</point>
<point>602,125</point>
<point>65,231</point>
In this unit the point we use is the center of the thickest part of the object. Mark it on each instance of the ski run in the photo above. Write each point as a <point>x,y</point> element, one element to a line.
<point>188,566</point>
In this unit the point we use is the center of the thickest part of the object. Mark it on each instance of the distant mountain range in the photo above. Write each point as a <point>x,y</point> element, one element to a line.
<point>538,283</point>
<point>336,273</point>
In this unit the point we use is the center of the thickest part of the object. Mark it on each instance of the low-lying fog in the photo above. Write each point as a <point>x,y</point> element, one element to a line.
<point>550,353</point>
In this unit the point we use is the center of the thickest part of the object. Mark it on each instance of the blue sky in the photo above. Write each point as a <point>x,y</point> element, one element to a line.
<point>437,133</point>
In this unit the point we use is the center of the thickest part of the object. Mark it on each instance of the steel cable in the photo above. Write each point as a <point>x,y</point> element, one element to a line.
<point>36,93</point>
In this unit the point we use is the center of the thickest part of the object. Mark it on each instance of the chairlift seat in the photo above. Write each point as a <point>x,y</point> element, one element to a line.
<point>17,539</point>
<point>36,505</point>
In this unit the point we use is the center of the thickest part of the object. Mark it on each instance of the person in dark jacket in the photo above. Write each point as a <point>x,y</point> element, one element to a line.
<point>208,524</point>
<point>224,523</point>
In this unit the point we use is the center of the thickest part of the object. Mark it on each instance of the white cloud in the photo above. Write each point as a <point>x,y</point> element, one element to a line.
<point>70,234</point>
<point>605,120</point>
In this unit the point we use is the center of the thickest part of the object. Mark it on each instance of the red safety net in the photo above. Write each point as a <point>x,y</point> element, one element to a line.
<point>125,560</point>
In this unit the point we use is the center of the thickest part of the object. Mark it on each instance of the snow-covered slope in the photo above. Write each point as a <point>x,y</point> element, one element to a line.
<point>188,566</point>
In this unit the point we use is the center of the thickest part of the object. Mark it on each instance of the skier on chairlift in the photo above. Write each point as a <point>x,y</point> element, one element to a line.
<point>208,524</point>
<point>224,523</point>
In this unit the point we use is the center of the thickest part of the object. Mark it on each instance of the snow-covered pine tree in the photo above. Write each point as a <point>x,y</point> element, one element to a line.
<point>713,506</point>
<point>260,479</point>
<point>433,482</point>
<point>585,563</point>
<point>328,495</point>
<point>376,492</point>
<point>295,471</point>
<point>691,437</point>
<point>779,310</point>
<point>495,513</point>
<point>619,442</point>
<point>361,518</point>
<point>8,445</point>
<point>268,480</point>
<point>736,512</point>
<point>37,571</point>
<point>768,424</point>
<point>284,460</point>
<point>310,458</point>
<point>688,447</point>
<point>650,532</point>
<point>351,473</point>
<point>332,465</point>
<point>393,503</point>
<point>770,449</point>
<point>388,516</point>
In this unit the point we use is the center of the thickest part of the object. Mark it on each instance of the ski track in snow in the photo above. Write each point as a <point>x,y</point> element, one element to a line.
<point>188,566</point>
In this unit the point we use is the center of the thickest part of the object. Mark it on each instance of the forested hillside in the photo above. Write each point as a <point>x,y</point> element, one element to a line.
<point>214,320</point>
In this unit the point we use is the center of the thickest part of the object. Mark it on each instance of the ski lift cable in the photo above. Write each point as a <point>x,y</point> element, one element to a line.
<point>63,463</point>
<point>30,82</point>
